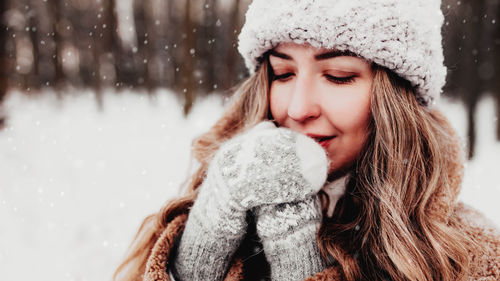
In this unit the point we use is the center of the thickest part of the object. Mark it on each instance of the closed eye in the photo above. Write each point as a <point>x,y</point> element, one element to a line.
<point>282,77</point>
<point>340,80</point>
<point>331,78</point>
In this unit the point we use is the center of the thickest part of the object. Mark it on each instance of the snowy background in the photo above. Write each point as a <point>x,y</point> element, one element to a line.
<point>77,181</point>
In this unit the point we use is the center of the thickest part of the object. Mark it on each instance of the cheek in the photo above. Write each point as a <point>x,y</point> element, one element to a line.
<point>351,116</point>
<point>278,104</point>
<point>349,111</point>
<point>356,121</point>
<point>344,153</point>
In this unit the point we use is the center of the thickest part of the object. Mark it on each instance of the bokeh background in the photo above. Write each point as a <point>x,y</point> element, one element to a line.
<point>100,99</point>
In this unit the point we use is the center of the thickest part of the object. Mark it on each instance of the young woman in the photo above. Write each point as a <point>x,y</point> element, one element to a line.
<point>331,163</point>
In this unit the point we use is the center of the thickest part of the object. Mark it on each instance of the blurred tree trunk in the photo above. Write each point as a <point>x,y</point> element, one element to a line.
<point>142,54</point>
<point>113,41</point>
<point>173,23</point>
<point>160,14</point>
<point>188,61</point>
<point>155,57</point>
<point>59,73</point>
<point>3,58</point>
<point>497,107</point>
<point>104,43</point>
<point>32,29</point>
<point>68,28</point>
<point>206,45</point>
<point>45,46</point>
<point>3,54</point>
<point>85,23</point>
<point>98,47</point>
<point>452,46</point>
<point>227,45</point>
<point>85,45</point>
<point>470,57</point>
<point>233,44</point>
<point>495,21</point>
<point>127,71</point>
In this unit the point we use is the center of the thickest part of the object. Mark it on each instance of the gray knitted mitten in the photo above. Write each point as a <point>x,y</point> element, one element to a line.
<point>288,234</point>
<point>263,166</point>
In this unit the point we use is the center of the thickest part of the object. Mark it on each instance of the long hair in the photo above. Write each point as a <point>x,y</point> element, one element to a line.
<point>402,166</point>
<point>391,224</point>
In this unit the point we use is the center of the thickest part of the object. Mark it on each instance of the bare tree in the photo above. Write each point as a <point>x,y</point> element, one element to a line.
<point>113,43</point>
<point>33,33</point>
<point>127,73</point>
<point>86,46</point>
<point>43,42</point>
<point>57,60</point>
<point>206,46</point>
<point>3,57</point>
<point>234,25</point>
<point>471,83</point>
<point>170,36</point>
<point>452,41</point>
<point>142,55</point>
<point>495,21</point>
<point>188,66</point>
<point>154,41</point>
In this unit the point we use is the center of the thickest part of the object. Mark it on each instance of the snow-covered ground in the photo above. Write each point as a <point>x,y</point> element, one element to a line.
<point>75,182</point>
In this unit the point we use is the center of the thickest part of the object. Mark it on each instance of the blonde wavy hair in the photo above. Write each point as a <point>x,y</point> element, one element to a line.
<point>385,227</point>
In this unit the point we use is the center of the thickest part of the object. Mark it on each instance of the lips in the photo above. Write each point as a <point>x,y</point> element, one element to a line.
<point>324,141</point>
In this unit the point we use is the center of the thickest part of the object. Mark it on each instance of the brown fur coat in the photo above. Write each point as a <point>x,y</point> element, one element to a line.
<point>485,259</point>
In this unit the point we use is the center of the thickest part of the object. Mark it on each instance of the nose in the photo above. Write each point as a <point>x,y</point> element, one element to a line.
<point>303,105</point>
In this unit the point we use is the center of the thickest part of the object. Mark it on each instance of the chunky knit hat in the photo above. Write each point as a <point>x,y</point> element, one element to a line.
<point>401,35</point>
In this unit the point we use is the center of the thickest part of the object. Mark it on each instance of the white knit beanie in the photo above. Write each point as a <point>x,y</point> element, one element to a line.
<point>401,35</point>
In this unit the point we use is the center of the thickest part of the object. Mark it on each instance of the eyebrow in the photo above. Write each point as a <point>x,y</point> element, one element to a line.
<point>322,56</point>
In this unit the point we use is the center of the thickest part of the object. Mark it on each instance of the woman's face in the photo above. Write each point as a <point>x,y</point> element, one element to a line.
<point>323,94</point>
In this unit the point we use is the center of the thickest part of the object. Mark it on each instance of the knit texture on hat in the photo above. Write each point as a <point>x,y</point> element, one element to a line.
<point>401,35</point>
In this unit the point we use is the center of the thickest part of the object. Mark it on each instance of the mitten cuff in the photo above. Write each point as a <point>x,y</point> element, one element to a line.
<point>288,233</point>
<point>295,256</point>
<point>213,232</point>
<point>202,254</point>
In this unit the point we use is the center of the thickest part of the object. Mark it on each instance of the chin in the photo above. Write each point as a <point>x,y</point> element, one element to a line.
<point>336,171</point>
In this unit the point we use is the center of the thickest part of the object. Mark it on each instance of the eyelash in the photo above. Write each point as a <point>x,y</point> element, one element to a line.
<point>334,79</point>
